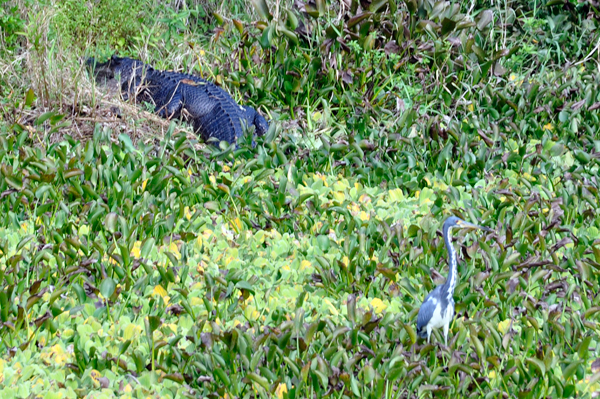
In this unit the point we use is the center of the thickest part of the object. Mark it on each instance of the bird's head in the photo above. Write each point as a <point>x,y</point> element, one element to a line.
<point>454,222</point>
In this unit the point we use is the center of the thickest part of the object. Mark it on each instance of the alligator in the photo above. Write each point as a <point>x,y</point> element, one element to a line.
<point>213,113</point>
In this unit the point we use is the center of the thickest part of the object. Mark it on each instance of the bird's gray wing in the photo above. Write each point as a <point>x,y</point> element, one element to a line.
<point>426,311</point>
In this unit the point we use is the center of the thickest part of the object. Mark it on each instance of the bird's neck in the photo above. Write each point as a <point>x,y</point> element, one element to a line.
<point>450,283</point>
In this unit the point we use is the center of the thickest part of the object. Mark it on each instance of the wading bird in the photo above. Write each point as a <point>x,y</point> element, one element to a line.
<point>437,309</point>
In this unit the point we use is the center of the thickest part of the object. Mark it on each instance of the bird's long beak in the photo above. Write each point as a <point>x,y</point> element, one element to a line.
<point>466,225</point>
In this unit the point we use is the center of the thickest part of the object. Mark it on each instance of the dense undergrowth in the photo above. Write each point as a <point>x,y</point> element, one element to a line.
<point>136,262</point>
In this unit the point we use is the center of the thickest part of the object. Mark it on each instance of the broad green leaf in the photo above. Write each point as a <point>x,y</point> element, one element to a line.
<point>107,287</point>
<point>127,143</point>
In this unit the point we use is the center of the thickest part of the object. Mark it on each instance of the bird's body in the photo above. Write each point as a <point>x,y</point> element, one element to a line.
<point>437,309</point>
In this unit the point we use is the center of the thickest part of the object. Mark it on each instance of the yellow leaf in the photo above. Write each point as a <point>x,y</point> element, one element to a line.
<point>144,183</point>
<point>354,209</point>
<point>529,177</point>
<point>549,127</point>
<point>200,268</point>
<point>339,196</point>
<point>332,308</point>
<point>378,305</point>
<point>173,327</point>
<point>320,176</point>
<point>131,330</point>
<point>159,290</point>
<point>251,313</point>
<point>317,226</point>
<point>95,375</point>
<point>364,216</point>
<point>441,185</point>
<point>471,107</point>
<point>55,355</point>
<point>136,250</point>
<point>174,249</point>
<point>304,264</point>
<point>503,326</point>
<point>396,195</point>
<point>195,301</point>
<point>236,224</point>
<point>281,389</point>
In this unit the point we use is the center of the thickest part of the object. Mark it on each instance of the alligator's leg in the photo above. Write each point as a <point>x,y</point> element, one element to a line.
<point>196,101</point>
<point>130,87</point>
<point>204,112</point>
<point>174,105</point>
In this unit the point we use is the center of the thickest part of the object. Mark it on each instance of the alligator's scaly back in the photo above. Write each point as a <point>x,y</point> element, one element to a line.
<point>211,110</point>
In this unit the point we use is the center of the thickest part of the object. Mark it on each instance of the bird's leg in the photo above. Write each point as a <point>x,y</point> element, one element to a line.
<point>446,334</point>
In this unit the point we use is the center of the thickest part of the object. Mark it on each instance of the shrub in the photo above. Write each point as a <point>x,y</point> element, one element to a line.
<point>103,22</point>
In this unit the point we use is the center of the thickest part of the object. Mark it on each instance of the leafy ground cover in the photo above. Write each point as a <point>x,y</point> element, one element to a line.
<point>137,262</point>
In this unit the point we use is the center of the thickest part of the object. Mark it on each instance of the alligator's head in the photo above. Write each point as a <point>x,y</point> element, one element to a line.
<point>122,67</point>
<point>262,126</point>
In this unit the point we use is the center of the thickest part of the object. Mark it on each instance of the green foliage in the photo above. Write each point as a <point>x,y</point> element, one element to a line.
<point>100,23</point>
<point>296,268</point>
<point>12,22</point>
